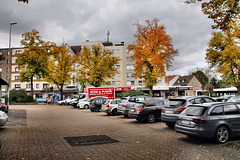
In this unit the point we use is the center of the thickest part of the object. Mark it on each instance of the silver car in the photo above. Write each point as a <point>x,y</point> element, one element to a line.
<point>110,106</point>
<point>176,105</point>
<point>219,120</point>
<point>3,118</point>
<point>126,103</point>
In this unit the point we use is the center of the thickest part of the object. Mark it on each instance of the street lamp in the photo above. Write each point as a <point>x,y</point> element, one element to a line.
<point>9,61</point>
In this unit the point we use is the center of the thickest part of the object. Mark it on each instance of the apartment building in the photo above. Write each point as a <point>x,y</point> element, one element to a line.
<point>123,80</point>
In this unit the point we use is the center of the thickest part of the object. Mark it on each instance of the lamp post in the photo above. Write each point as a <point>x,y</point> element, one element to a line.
<point>9,61</point>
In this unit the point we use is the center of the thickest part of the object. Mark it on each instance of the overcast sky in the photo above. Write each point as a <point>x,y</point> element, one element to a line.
<point>76,21</point>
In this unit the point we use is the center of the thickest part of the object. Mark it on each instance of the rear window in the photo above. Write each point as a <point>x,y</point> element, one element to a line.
<point>194,111</point>
<point>234,99</point>
<point>123,100</point>
<point>175,102</point>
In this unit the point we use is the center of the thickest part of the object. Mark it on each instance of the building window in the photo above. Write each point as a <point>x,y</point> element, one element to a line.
<point>130,83</point>
<point>160,82</point>
<point>130,52</point>
<point>130,66</point>
<point>0,69</point>
<point>7,61</point>
<point>37,85</point>
<point>140,83</point>
<point>113,50</point>
<point>17,85</point>
<point>117,50</point>
<point>28,85</point>
<point>7,69</point>
<point>0,61</point>
<point>118,66</point>
<point>16,69</point>
<point>18,51</point>
<point>118,74</point>
<point>16,77</point>
<point>1,53</point>
<point>130,75</point>
<point>113,82</point>
<point>129,59</point>
<point>8,53</point>
<point>45,85</point>
<point>118,83</point>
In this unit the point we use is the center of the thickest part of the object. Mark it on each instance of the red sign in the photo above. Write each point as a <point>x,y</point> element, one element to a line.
<point>104,91</point>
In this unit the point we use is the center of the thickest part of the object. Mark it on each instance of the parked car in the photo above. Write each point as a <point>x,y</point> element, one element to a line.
<point>219,120</point>
<point>96,103</point>
<point>3,108</point>
<point>3,118</point>
<point>234,99</point>
<point>110,106</point>
<point>176,105</point>
<point>127,102</point>
<point>148,110</point>
<point>84,103</point>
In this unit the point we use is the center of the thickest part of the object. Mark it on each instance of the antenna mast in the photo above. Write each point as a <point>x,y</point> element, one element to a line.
<point>108,35</point>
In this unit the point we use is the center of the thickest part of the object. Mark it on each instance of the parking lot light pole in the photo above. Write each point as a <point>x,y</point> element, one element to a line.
<point>9,62</point>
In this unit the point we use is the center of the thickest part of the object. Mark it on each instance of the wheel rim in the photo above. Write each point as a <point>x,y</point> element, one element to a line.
<point>222,134</point>
<point>86,106</point>
<point>151,118</point>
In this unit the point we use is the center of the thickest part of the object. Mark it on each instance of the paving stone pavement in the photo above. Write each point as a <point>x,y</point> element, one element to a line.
<point>41,132</point>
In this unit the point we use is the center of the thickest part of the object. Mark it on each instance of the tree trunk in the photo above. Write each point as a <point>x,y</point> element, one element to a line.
<point>61,90</point>
<point>31,87</point>
<point>238,90</point>
<point>151,91</point>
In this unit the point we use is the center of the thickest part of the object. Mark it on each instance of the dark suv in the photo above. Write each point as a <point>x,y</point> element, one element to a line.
<point>147,111</point>
<point>176,105</point>
<point>96,103</point>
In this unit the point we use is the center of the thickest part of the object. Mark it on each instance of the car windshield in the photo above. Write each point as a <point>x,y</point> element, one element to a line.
<point>175,102</point>
<point>234,99</point>
<point>194,111</point>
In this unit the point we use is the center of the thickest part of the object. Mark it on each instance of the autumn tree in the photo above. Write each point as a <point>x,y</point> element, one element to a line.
<point>222,12</point>
<point>96,65</point>
<point>60,67</point>
<point>153,52</point>
<point>224,53</point>
<point>32,62</point>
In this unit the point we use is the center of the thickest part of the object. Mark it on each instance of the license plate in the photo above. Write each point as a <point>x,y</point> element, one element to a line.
<point>169,112</point>
<point>185,122</point>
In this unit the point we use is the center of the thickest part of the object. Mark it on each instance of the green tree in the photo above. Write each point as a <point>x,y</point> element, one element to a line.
<point>132,93</point>
<point>32,62</point>
<point>222,12</point>
<point>95,65</point>
<point>153,52</point>
<point>224,53</point>
<point>60,67</point>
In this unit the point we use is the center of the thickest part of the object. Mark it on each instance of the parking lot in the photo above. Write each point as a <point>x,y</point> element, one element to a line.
<point>64,132</point>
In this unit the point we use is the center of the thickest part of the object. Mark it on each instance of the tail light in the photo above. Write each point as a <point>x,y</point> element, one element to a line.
<point>108,105</point>
<point>180,109</point>
<point>124,105</point>
<point>93,104</point>
<point>199,121</point>
<point>138,111</point>
<point>162,108</point>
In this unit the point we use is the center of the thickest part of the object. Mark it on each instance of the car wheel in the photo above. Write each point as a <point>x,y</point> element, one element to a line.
<point>170,124</point>
<point>114,112</point>
<point>222,134</point>
<point>151,118</point>
<point>62,103</point>
<point>86,106</point>
<point>139,119</point>
<point>109,114</point>
<point>125,115</point>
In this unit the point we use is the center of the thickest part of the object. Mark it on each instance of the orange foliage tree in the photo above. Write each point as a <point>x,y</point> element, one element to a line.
<point>153,52</point>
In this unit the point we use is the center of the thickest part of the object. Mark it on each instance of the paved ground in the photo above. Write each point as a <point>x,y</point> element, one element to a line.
<point>42,131</point>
